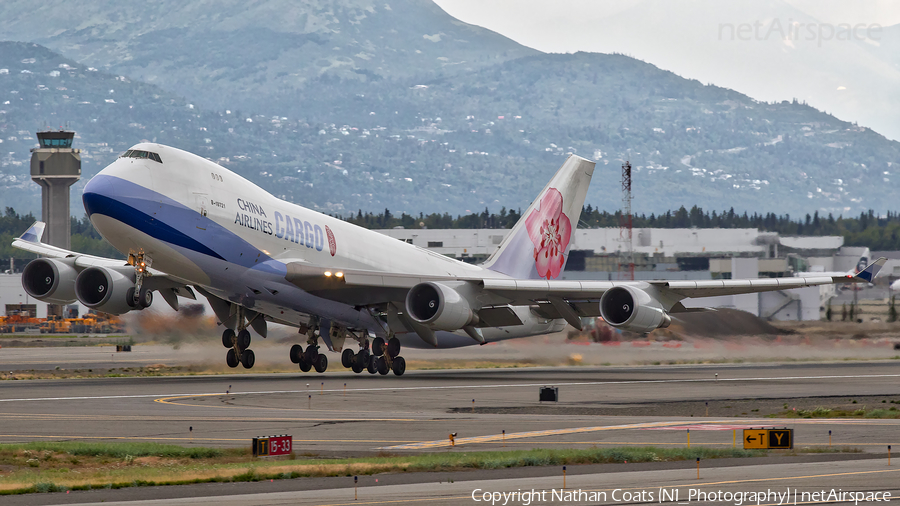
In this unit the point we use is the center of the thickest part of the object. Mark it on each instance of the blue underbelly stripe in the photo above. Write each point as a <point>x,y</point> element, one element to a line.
<point>143,222</point>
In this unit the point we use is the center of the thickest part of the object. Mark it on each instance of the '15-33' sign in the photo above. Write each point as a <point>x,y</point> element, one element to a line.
<point>272,445</point>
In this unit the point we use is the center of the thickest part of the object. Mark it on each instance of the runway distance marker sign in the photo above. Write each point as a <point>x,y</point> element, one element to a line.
<point>272,445</point>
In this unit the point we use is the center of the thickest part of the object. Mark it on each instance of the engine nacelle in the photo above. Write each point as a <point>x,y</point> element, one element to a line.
<point>632,309</point>
<point>439,307</point>
<point>50,281</point>
<point>105,290</point>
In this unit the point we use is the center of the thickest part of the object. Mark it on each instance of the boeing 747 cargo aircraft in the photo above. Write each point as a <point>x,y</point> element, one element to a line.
<point>188,225</point>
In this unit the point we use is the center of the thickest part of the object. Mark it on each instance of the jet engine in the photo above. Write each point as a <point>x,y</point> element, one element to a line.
<point>105,290</point>
<point>439,307</point>
<point>50,280</point>
<point>632,309</point>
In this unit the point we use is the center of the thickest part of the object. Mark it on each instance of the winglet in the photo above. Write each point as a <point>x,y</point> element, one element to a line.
<point>869,273</point>
<point>34,232</point>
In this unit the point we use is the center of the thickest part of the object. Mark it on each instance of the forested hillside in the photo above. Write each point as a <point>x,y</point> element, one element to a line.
<point>490,137</point>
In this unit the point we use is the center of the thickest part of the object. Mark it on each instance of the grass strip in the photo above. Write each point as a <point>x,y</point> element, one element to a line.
<point>116,450</point>
<point>822,412</point>
<point>59,466</point>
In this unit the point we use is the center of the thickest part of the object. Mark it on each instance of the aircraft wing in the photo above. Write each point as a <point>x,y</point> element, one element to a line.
<point>525,291</point>
<point>521,291</point>
<point>684,289</point>
<point>31,241</point>
<point>553,299</point>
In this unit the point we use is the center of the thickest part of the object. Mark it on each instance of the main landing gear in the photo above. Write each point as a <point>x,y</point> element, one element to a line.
<point>239,344</point>
<point>381,359</point>
<point>309,358</point>
<point>239,352</point>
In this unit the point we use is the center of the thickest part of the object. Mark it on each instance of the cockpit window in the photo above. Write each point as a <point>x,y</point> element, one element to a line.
<point>136,153</point>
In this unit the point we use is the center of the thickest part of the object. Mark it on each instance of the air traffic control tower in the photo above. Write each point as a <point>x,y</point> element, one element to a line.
<point>56,166</point>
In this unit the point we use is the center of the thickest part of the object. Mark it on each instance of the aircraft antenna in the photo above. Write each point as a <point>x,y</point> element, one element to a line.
<point>626,265</point>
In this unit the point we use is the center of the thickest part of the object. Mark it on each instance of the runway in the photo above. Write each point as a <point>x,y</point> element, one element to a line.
<point>343,414</point>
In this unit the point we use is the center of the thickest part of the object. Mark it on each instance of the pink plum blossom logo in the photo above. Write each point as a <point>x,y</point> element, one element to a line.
<point>550,230</point>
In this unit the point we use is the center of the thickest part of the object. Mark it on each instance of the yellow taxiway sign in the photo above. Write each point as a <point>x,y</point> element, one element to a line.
<point>768,439</point>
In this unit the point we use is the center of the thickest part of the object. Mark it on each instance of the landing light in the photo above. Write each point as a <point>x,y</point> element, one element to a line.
<point>339,274</point>
<point>327,274</point>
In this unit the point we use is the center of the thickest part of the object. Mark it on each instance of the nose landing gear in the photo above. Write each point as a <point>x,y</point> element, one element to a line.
<point>139,297</point>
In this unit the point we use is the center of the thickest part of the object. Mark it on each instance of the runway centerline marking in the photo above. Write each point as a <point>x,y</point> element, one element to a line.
<point>390,388</point>
<point>702,426</point>
<point>167,400</point>
<point>441,443</point>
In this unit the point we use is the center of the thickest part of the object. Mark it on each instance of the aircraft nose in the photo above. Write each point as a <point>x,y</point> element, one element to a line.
<point>96,195</point>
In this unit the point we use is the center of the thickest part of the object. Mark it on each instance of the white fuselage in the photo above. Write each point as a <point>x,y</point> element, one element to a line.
<point>204,224</point>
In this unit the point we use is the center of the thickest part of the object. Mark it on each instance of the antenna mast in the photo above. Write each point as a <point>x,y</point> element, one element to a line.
<point>626,266</point>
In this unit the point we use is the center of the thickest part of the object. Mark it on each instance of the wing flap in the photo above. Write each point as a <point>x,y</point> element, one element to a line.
<point>498,316</point>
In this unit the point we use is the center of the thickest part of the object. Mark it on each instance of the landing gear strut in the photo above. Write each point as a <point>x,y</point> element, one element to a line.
<point>239,344</point>
<point>139,297</point>
<point>310,358</point>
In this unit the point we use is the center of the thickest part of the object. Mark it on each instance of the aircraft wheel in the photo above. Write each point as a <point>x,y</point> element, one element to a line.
<point>304,365</point>
<point>248,358</point>
<point>321,363</point>
<point>360,361</point>
<point>311,354</point>
<point>381,365</point>
<point>145,298</point>
<point>296,351</point>
<point>393,347</point>
<point>362,358</point>
<point>228,338</point>
<point>378,347</point>
<point>243,339</point>
<point>399,366</point>
<point>347,357</point>
<point>231,358</point>
<point>371,366</point>
<point>129,299</point>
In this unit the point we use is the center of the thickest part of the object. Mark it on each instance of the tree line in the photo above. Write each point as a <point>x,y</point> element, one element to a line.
<point>878,232</point>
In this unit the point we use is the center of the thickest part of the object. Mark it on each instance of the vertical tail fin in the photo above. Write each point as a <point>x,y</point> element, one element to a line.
<point>538,245</point>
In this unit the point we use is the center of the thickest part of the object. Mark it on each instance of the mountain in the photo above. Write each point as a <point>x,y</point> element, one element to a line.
<point>485,138</point>
<point>402,130</point>
<point>768,49</point>
<point>258,56</point>
<point>40,89</point>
